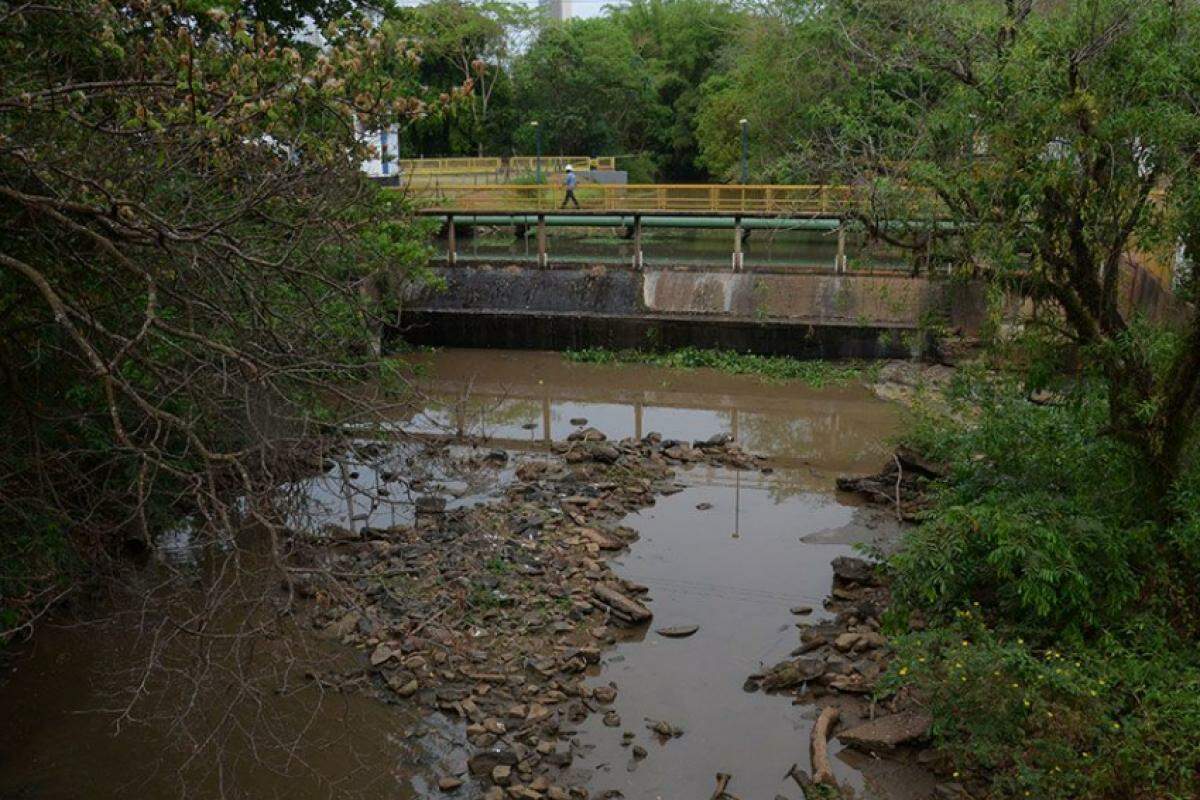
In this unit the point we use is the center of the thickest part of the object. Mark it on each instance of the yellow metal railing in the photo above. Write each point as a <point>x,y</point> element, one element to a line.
<point>559,163</point>
<point>689,198</point>
<point>447,165</point>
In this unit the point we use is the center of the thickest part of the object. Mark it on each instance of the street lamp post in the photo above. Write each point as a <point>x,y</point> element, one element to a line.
<point>538,135</point>
<point>745,123</point>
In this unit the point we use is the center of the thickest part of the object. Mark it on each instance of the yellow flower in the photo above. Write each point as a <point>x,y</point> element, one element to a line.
<point>903,671</point>
<point>1116,726</point>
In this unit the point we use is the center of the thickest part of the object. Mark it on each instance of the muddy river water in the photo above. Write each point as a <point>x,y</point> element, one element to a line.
<point>732,553</point>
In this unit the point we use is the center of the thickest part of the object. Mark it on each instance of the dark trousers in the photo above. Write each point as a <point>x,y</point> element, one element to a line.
<point>570,196</point>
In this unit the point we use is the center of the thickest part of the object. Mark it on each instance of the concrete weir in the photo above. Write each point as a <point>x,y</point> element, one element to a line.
<point>806,315</point>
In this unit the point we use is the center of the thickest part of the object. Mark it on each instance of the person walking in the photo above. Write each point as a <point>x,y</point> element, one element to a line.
<point>571,181</point>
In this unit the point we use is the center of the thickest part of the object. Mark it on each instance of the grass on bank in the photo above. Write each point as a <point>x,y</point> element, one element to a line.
<point>771,368</point>
<point>1062,653</point>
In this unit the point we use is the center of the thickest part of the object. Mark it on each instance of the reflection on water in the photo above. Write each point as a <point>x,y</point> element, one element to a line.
<point>762,544</point>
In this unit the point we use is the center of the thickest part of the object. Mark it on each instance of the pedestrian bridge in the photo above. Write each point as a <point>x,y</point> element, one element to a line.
<point>773,200</point>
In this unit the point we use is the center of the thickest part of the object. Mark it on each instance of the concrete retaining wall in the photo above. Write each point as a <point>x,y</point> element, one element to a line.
<point>807,315</point>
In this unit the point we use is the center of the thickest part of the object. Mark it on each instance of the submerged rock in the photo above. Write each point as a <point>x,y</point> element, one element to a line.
<point>677,631</point>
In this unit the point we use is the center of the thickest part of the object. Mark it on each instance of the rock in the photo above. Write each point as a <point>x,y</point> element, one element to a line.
<point>381,654</point>
<point>430,504</point>
<point>601,539</point>
<point>586,435</point>
<point>483,762</point>
<point>578,421</point>
<point>603,453</point>
<point>714,441</point>
<point>639,752</point>
<point>801,610</point>
<point>846,641</point>
<point>793,673</point>
<point>886,733</point>
<point>604,694</point>
<point>677,631</point>
<point>703,506</point>
<point>344,626</point>
<point>501,774</point>
<point>404,688</point>
<point>854,570</point>
<point>448,784</point>
<point>493,725</point>
<point>870,641</point>
<point>612,719</point>
<point>664,728</point>
<point>497,456</point>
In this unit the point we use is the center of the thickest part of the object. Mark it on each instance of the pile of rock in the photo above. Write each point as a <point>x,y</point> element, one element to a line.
<point>902,484</point>
<point>492,614</point>
<point>844,658</point>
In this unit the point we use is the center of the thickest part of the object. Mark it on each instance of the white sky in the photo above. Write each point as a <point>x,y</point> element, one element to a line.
<point>579,8</point>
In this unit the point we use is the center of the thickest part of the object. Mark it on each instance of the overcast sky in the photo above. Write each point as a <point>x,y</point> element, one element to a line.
<point>579,8</point>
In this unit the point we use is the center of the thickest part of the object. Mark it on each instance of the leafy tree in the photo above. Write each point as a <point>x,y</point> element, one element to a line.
<point>190,262</point>
<point>681,42</point>
<point>1047,144</point>
<point>472,44</point>
<point>588,89</point>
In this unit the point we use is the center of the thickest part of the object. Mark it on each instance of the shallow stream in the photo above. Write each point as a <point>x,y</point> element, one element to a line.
<point>731,553</point>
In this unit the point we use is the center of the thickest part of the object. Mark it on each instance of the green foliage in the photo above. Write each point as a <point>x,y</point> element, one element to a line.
<point>588,89</point>
<point>771,368</point>
<point>1043,519</point>
<point>190,257</point>
<point>1114,719</point>
<point>1060,658</point>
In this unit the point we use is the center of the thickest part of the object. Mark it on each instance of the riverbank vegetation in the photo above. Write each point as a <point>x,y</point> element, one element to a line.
<point>192,270</point>
<point>1054,573</point>
<point>1061,654</point>
<point>770,368</point>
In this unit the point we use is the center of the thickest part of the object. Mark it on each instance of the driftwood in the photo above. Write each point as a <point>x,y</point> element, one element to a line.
<point>623,608</point>
<point>722,782</point>
<point>819,745</point>
<point>901,483</point>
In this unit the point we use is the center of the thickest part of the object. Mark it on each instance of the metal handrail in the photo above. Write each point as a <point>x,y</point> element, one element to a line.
<point>448,165</point>
<point>559,163</point>
<point>692,198</point>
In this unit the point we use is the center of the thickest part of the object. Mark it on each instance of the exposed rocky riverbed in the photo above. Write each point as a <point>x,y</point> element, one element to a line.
<point>494,613</point>
<point>494,570</point>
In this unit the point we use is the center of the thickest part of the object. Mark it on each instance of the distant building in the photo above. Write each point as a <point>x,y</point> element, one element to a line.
<point>557,10</point>
<point>385,147</point>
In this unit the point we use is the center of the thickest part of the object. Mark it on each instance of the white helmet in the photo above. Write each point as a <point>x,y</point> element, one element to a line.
<point>570,168</point>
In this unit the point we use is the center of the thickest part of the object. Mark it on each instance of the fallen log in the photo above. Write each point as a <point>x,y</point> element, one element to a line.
<point>819,745</point>
<point>722,783</point>
<point>624,608</point>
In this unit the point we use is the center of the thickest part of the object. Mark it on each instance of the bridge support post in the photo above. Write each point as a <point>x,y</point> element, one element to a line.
<point>637,242</point>
<point>541,240</point>
<point>737,244</point>
<point>839,264</point>
<point>451,247</point>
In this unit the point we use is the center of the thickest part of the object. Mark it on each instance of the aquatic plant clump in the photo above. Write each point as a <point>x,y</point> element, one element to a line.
<point>771,368</point>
